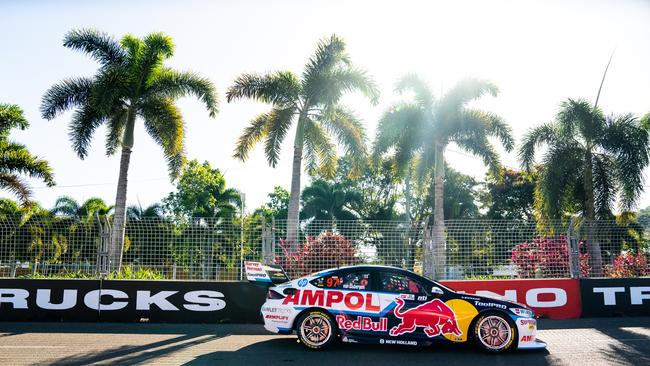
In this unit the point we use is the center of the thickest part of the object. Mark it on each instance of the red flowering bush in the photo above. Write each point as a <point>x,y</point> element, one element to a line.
<point>548,257</point>
<point>628,265</point>
<point>324,251</point>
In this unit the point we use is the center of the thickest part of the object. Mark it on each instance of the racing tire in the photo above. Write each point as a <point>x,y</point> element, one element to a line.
<point>316,329</point>
<point>495,332</point>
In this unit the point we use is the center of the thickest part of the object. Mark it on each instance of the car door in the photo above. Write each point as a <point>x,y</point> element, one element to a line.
<point>349,296</point>
<point>415,310</point>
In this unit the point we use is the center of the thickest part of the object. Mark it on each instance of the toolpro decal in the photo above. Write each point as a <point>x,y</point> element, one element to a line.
<point>434,316</point>
<point>339,299</point>
<point>362,323</point>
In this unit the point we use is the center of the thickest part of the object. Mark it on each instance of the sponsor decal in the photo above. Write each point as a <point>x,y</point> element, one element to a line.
<point>398,341</point>
<point>109,299</point>
<point>331,298</point>
<point>527,321</point>
<point>552,298</point>
<point>362,323</point>
<point>489,305</point>
<point>276,317</point>
<point>434,316</point>
<point>527,338</point>
<point>302,282</point>
<point>422,298</point>
<point>270,309</point>
<point>615,296</point>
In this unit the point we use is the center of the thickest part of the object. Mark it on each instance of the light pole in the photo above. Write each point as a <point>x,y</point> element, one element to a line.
<point>242,197</point>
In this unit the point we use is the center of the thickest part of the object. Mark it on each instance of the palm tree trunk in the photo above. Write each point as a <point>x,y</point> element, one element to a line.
<point>439,255</point>
<point>294,197</point>
<point>119,218</point>
<point>593,246</point>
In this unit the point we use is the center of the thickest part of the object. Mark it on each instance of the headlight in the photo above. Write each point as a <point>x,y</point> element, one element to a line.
<point>523,312</point>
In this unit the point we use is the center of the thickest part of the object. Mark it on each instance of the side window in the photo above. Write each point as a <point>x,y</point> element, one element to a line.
<point>349,281</point>
<point>397,282</point>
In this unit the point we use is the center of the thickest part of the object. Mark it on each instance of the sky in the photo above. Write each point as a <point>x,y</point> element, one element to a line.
<point>537,53</point>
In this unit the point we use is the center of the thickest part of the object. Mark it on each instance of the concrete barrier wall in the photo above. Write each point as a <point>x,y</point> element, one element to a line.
<point>240,302</point>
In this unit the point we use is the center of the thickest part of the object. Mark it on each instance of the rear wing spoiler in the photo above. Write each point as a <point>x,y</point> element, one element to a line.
<point>262,273</point>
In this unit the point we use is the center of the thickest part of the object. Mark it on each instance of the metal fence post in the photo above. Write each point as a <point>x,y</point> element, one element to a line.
<point>573,250</point>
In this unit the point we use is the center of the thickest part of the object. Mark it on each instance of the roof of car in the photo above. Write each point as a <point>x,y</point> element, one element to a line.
<point>360,266</point>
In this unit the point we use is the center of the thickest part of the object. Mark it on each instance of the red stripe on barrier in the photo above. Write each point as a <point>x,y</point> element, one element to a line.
<point>550,298</point>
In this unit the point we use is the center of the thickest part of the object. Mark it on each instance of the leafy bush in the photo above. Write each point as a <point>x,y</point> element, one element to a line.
<point>546,257</point>
<point>140,274</point>
<point>628,265</point>
<point>324,251</point>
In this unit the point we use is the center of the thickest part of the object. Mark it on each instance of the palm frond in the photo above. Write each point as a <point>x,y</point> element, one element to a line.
<point>627,141</point>
<point>84,123</point>
<point>276,129</point>
<point>472,120</point>
<point>477,144</point>
<point>321,152</point>
<point>404,119</point>
<point>164,123</point>
<point>348,130</point>
<point>423,94</point>
<point>542,134</point>
<point>11,116</point>
<point>69,93</point>
<point>167,83</point>
<point>329,53</point>
<point>280,88</point>
<point>467,90</point>
<point>115,130</point>
<point>17,186</point>
<point>328,88</point>
<point>15,158</point>
<point>252,134</point>
<point>99,45</point>
<point>558,177</point>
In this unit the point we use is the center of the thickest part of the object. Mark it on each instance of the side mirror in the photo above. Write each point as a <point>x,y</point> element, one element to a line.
<point>436,291</point>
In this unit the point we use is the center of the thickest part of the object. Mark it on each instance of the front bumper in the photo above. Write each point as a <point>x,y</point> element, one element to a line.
<point>536,344</point>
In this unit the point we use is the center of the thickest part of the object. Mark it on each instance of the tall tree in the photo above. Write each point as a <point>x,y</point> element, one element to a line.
<point>419,130</point>
<point>16,160</point>
<point>510,196</point>
<point>131,83</point>
<point>323,200</point>
<point>201,192</point>
<point>588,155</point>
<point>312,102</point>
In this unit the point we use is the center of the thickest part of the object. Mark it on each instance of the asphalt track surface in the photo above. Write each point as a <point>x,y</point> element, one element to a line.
<point>609,341</point>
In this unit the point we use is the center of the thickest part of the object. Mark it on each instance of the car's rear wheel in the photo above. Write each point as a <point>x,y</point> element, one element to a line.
<point>495,333</point>
<point>316,329</point>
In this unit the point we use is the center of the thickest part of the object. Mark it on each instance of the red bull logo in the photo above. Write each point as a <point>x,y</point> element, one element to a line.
<point>434,316</point>
<point>362,323</point>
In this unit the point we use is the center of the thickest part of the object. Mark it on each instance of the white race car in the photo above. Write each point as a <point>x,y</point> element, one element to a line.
<point>386,305</point>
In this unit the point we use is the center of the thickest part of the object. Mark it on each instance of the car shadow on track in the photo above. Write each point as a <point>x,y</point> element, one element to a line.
<point>288,351</point>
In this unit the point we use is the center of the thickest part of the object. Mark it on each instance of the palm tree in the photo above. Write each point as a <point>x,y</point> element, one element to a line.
<point>596,158</point>
<point>312,102</point>
<point>16,160</point>
<point>153,211</point>
<point>131,83</point>
<point>69,207</point>
<point>418,131</point>
<point>325,201</point>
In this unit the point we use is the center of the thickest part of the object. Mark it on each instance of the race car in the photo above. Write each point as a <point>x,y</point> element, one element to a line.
<point>386,305</point>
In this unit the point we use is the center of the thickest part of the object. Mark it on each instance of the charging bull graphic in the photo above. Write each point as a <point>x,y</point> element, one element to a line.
<point>434,316</point>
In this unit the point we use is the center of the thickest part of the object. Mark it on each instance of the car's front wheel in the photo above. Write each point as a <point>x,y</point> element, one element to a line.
<point>495,333</point>
<point>316,329</point>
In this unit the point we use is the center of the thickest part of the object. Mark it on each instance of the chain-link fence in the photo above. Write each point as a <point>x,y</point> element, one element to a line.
<point>215,248</point>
